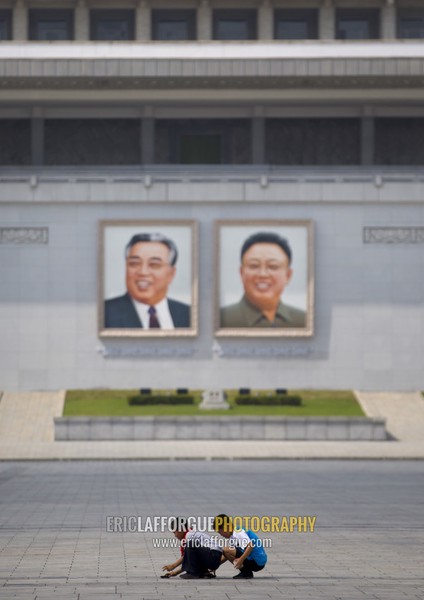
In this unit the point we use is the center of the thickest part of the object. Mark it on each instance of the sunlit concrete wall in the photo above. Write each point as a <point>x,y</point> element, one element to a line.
<point>369,309</point>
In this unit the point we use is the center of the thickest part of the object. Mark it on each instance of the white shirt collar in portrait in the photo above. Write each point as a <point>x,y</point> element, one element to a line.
<point>162,313</point>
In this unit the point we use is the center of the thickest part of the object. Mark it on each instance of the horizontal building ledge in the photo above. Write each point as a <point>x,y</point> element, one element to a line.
<point>212,185</point>
<point>150,66</point>
<point>36,93</point>
<point>194,51</point>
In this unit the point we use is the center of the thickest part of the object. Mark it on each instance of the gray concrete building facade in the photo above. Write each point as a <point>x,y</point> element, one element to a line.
<point>206,112</point>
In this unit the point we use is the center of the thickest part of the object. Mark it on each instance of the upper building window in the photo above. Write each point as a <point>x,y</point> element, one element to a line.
<point>173,25</point>
<point>296,24</point>
<point>411,23</point>
<point>16,147</point>
<point>203,141</point>
<point>313,141</point>
<point>51,24</point>
<point>112,25</point>
<point>200,149</point>
<point>357,24</point>
<point>399,141</point>
<point>5,25</point>
<point>92,141</point>
<point>234,24</point>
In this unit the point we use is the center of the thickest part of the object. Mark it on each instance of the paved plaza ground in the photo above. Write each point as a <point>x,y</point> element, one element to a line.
<point>368,541</point>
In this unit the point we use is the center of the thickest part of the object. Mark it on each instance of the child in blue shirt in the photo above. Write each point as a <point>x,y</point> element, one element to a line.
<point>244,549</point>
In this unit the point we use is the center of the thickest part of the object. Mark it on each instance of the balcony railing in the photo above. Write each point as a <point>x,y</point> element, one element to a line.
<point>219,172</point>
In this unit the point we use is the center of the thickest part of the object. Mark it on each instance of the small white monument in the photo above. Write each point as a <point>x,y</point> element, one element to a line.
<point>214,400</point>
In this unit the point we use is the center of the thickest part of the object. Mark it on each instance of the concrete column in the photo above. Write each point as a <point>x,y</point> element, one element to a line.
<point>148,137</point>
<point>258,141</point>
<point>327,21</point>
<point>20,21</point>
<point>204,21</point>
<point>367,140</point>
<point>82,22</point>
<point>258,136</point>
<point>265,21</point>
<point>388,21</point>
<point>37,137</point>
<point>142,21</point>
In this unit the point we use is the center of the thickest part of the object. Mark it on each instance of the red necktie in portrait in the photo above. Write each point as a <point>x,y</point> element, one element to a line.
<point>153,321</point>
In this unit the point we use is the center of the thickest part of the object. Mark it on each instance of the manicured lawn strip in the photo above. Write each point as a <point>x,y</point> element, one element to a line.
<point>114,403</point>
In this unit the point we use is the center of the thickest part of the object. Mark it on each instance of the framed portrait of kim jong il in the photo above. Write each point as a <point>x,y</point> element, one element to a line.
<point>264,278</point>
<point>148,277</point>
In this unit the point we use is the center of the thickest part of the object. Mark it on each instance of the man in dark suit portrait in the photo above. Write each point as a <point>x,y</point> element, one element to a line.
<point>265,272</point>
<point>150,269</point>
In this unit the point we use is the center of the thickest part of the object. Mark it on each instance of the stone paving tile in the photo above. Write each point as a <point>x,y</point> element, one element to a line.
<point>367,543</point>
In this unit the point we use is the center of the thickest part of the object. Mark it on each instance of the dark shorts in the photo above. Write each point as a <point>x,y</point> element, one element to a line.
<point>212,558</point>
<point>197,561</point>
<point>249,564</point>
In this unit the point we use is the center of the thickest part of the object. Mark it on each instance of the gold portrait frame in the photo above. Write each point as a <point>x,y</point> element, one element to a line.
<point>139,332</point>
<point>280,332</point>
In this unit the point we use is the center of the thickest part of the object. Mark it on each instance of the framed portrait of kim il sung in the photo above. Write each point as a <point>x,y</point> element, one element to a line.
<point>148,277</point>
<point>264,278</point>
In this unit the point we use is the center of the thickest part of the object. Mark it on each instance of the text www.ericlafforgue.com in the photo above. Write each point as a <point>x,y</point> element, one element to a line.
<point>219,542</point>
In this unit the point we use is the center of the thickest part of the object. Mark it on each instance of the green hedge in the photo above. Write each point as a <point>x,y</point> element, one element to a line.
<point>272,400</point>
<point>152,400</point>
